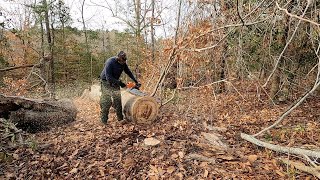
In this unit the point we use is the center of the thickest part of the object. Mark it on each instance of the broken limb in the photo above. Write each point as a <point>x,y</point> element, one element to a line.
<point>290,109</point>
<point>278,148</point>
<point>302,167</point>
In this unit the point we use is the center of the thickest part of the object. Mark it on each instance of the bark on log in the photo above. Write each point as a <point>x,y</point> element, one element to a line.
<point>140,109</point>
<point>34,114</point>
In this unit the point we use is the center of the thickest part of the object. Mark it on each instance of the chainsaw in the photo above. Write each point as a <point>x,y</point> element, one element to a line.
<point>134,89</point>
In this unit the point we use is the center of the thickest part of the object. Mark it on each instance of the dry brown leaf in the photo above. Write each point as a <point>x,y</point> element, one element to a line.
<point>128,162</point>
<point>280,173</point>
<point>73,171</point>
<point>252,158</point>
<point>74,154</point>
<point>204,164</point>
<point>34,162</point>
<point>181,154</point>
<point>151,142</point>
<point>91,165</point>
<point>10,175</point>
<point>174,156</point>
<point>206,173</point>
<point>15,156</point>
<point>171,169</point>
<point>44,158</point>
<point>180,175</point>
<point>154,169</point>
<point>101,171</point>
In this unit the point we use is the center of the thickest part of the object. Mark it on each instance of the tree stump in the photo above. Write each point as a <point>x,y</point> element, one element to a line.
<point>138,108</point>
<point>35,114</point>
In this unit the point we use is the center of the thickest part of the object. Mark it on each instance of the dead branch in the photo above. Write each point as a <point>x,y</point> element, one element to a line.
<point>295,16</point>
<point>172,55</point>
<point>241,24</point>
<point>16,67</point>
<point>166,70</point>
<point>290,109</point>
<point>215,45</point>
<point>201,158</point>
<point>238,12</point>
<point>285,47</point>
<point>197,87</point>
<point>281,149</point>
<point>312,163</point>
<point>173,95</point>
<point>302,167</point>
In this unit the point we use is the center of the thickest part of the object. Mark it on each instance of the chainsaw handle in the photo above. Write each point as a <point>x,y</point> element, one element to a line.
<point>137,86</point>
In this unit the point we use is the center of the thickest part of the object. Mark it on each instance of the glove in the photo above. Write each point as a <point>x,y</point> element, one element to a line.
<point>138,85</point>
<point>121,84</point>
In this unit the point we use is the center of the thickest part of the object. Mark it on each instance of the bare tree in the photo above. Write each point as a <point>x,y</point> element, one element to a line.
<point>51,78</point>
<point>152,30</point>
<point>86,38</point>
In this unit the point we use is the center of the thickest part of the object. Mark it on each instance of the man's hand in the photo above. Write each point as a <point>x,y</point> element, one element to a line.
<point>122,84</point>
<point>138,85</point>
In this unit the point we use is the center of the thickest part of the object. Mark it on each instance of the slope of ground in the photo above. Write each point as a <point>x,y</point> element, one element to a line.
<point>87,149</point>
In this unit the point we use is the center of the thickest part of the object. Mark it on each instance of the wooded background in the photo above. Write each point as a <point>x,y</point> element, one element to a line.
<point>272,41</point>
<point>224,71</point>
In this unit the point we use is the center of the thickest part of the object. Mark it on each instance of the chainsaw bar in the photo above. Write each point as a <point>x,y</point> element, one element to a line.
<point>136,92</point>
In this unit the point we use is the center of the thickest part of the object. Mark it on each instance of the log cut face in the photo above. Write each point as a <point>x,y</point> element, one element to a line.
<point>139,109</point>
<point>35,115</point>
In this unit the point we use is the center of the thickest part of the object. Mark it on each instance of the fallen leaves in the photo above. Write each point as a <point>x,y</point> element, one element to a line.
<point>177,146</point>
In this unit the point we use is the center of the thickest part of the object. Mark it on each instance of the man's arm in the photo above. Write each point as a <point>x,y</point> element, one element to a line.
<point>129,73</point>
<point>109,75</point>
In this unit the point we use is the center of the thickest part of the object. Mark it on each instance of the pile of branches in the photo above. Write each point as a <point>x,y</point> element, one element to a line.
<point>10,139</point>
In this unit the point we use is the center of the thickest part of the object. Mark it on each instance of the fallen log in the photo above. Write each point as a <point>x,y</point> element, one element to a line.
<point>36,114</point>
<point>138,107</point>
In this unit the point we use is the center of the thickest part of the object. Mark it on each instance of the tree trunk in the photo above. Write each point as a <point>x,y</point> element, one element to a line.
<point>152,32</point>
<point>276,80</point>
<point>139,109</point>
<point>86,40</point>
<point>222,86</point>
<point>34,114</point>
<point>51,80</point>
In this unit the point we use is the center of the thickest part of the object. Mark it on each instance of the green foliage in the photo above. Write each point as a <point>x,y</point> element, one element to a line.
<point>93,34</point>
<point>33,144</point>
<point>73,30</point>
<point>3,62</point>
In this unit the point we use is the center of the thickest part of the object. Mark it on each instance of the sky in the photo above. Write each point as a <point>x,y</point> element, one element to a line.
<point>95,17</point>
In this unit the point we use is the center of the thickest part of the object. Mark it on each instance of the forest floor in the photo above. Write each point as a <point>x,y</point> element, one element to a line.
<point>87,149</point>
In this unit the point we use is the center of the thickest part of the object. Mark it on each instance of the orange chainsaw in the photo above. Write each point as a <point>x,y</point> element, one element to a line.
<point>133,88</point>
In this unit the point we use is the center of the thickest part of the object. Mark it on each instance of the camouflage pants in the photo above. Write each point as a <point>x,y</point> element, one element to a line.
<point>110,96</point>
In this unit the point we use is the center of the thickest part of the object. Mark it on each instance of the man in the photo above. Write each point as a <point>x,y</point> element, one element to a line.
<point>110,85</point>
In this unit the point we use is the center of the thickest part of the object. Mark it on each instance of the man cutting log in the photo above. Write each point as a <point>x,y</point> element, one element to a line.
<point>110,85</point>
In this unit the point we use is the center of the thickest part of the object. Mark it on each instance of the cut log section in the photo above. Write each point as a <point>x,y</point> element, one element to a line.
<point>138,108</point>
<point>35,115</point>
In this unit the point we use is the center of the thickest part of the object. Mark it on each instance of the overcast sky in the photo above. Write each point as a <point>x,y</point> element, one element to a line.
<point>96,17</point>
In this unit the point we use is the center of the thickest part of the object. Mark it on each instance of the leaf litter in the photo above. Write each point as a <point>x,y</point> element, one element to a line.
<point>198,140</point>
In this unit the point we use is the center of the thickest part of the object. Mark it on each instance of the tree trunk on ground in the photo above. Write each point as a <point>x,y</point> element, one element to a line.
<point>140,109</point>
<point>34,114</point>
